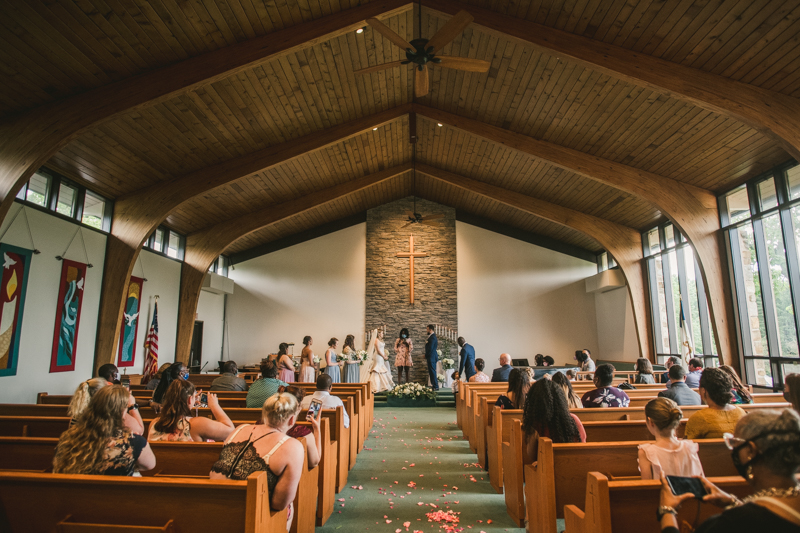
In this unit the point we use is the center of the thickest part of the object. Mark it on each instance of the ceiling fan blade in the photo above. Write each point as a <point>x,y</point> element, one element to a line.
<point>433,217</point>
<point>433,223</point>
<point>450,30</point>
<point>387,32</point>
<point>421,81</point>
<point>464,63</point>
<point>376,68</point>
<point>409,214</point>
<point>407,225</point>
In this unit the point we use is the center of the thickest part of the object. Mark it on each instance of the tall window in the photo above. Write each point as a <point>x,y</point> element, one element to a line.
<point>761,221</point>
<point>674,277</point>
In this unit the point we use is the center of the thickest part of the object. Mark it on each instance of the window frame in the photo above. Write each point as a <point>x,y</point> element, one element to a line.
<point>148,244</point>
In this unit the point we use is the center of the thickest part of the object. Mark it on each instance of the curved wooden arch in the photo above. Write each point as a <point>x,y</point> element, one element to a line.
<point>693,210</point>
<point>622,242</point>
<point>204,246</point>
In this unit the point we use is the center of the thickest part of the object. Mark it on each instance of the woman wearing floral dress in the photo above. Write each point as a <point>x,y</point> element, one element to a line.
<point>403,347</point>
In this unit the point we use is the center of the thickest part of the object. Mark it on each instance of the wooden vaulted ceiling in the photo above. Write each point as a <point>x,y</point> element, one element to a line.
<point>51,50</point>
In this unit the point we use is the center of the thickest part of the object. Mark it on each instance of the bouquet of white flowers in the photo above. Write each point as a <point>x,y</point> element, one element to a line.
<point>413,391</point>
<point>340,357</point>
<point>439,353</point>
<point>448,363</point>
<point>360,356</point>
<point>316,359</point>
<point>440,378</point>
<point>296,364</point>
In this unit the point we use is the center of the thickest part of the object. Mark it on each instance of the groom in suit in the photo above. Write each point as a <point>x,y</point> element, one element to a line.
<point>431,345</point>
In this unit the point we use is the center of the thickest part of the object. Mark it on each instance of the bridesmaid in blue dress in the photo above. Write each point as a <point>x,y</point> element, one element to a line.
<point>352,370</point>
<point>330,359</point>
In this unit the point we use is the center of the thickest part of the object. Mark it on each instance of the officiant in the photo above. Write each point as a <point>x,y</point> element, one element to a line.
<point>432,357</point>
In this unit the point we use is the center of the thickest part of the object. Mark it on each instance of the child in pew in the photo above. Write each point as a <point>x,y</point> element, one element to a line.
<point>175,422</point>
<point>546,414</point>
<point>456,379</point>
<point>99,442</point>
<point>83,395</point>
<point>668,454</point>
<point>266,447</point>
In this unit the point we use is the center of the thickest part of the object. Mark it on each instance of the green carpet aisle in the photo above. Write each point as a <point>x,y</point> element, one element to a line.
<point>422,448</point>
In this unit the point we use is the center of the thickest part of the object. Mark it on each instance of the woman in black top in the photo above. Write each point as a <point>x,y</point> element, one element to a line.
<point>765,450</point>
<point>175,371</point>
<point>519,381</point>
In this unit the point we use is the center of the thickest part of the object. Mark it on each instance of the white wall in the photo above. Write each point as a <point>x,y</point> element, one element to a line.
<point>522,299</point>
<point>211,310</point>
<point>314,288</point>
<point>616,333</point>
<point>51,235</point>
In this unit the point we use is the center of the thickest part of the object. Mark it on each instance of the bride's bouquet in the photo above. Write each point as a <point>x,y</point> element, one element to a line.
<point>360,356</point>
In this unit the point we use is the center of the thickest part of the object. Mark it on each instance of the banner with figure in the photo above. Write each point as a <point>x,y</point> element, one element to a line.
<point>130,323</point>
<point>13,284</point>
<point>68,316</point>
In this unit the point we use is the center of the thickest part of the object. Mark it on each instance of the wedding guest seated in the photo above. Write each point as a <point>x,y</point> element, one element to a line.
<point>720,416</point>
<point>83,394</point>
<point>152,384</point>
<point>519,381</point>
<point>175,421</point>
<point>672,360</point>
<point>549,361</point>
<point>678,391</point>
<point>500,375</point>
<point>479,376</point>
<point>265,387</point>
<point>175,371</point>
<point>584,358</point>
<point>323,394</point>
<point>573,400</point>
<point>109,372</point>
<point>765,449</point>
<point>570,374</point>
<point>668,455</point>
<point>546,414</point>
<point>266,447</point>
<point>538,360</point>
<point>311,434</point>
<point>791,391</point>
<point>605,395</point>
<point>229,380</point>
<point>99,442</point>
<point>741,394</point>
<point>695,371</point>
<point>644,371</point>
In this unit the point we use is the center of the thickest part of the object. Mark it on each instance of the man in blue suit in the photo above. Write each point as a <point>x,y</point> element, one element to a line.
<point>431,345</point>
<point>467,355</point>
<point>501,374</point>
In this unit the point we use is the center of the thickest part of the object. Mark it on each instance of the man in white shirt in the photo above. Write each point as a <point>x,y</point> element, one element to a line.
<point>323,394</point>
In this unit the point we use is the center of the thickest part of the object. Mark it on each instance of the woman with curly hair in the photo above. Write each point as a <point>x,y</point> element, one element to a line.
<point>519,382</point>
<point>740,393</point>
<point>99,442</point>
<point>175,422</point>
<point>546,414</point>
<point>720,416</point>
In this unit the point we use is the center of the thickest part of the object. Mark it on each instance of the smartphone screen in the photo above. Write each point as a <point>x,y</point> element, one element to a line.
<point>204,398</point>
<point>314,409</point>
<point>682,485</point>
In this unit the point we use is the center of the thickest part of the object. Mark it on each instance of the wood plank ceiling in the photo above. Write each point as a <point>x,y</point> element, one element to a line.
<point>50,50</point>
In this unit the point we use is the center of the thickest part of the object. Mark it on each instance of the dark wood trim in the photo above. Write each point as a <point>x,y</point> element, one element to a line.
<point>297,238</point>
<point>526,236</point>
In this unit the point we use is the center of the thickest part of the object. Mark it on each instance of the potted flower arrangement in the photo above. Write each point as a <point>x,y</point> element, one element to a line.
<point>411,395</point>
<point>448,365</point>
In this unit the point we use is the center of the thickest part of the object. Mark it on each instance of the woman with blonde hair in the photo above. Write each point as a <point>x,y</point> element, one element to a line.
<point>668,454</point>
<point>560,379</point>
<point>83,395</point>
<point>266,447</point>
<point>99,442</point>
<point>175,421</point>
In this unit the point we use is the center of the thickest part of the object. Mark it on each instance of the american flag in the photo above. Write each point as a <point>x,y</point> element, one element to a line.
<point>151,349</point>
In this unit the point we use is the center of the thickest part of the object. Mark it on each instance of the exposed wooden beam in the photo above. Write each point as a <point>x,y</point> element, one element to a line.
<point>137,215</point>
<point>622,242</point>
<point>693,210</point>
<point>773,114</point>
<point>204,246</point>
<point>29,140</point>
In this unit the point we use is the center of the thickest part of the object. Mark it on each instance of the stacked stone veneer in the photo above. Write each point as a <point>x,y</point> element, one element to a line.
<point>387,283</point>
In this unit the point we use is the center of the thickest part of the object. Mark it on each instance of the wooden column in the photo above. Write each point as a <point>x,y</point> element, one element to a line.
<point>693,210</point>
<point>622,242</point>
<point>204,246</point>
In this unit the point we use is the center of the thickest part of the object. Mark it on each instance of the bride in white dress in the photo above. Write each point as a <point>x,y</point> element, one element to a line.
<point>379,377</point>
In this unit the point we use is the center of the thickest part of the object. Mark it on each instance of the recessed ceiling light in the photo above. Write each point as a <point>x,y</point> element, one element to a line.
<point>360,30</point>
<point>439,124</point>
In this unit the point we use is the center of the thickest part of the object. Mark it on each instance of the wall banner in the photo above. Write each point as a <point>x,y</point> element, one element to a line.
<point>13,285</point>
<point>68,316</point>
<point>130,323</point>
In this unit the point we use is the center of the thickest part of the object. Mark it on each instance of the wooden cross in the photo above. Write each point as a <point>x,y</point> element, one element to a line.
<point>411,254</point>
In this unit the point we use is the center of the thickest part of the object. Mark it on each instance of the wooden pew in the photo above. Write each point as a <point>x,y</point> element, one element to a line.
<point>464,400</point>
<point>163,504</point>
<point>629,506</point>
<point>637,413</point>
<point>482,416</point>
<point>496,434</point>
<point>558,477</point>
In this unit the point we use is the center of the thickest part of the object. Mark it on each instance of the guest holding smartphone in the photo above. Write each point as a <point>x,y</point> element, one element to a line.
<point>311,434</point>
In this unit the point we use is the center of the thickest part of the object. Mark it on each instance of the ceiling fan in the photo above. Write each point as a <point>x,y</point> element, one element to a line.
<point>413,216</point>
<point>421,51</point>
